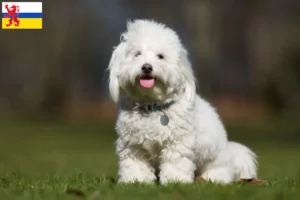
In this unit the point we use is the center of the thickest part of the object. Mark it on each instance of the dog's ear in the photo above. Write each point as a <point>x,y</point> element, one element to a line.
<point>114,65</point>
<point>188,75</point>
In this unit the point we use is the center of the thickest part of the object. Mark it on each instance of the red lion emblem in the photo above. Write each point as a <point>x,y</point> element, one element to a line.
<point>12,13</point>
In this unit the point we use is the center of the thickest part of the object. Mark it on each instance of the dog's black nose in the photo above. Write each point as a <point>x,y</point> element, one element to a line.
<point>147,68</point>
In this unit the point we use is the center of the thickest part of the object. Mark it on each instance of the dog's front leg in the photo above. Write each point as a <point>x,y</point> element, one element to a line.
<point>134,167</point>
<point>176,164</point>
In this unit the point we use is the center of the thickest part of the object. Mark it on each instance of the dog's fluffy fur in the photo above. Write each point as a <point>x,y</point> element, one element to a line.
<point>194,141</point>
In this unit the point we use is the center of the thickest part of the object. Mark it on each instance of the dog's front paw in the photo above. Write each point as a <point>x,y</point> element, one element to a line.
<point>166,178</point>
<point>136,174</point>
<point>176,169</point>
<point>137,179</point>
<point>173,174</point>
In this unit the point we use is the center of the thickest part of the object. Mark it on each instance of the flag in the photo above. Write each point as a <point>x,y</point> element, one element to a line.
<point>22,15</point>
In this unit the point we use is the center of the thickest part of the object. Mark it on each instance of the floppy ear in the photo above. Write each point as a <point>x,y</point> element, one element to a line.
<point>114,64</point>
<point>188,75</point>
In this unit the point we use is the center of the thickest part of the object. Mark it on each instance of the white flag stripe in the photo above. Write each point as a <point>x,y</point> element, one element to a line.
<point>25,7</point>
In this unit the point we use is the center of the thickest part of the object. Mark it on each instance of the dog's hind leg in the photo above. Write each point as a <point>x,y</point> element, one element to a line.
<point>233,163</point>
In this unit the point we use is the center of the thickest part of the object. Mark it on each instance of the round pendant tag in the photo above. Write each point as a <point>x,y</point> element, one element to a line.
<point>164,120</point>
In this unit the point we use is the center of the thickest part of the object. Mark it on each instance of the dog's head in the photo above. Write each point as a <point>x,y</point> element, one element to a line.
<point>150,64</point>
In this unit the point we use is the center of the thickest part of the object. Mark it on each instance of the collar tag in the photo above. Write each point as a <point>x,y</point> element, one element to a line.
<point>164,120</point>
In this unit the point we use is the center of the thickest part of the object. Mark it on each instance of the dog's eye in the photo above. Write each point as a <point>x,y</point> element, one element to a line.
<point>160,56</point>
<point>138,54</point>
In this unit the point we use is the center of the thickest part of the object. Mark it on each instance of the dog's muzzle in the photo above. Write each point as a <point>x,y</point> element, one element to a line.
<point>146,79</point>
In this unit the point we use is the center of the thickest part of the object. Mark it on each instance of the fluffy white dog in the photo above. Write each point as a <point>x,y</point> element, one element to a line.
<point>164,128</point>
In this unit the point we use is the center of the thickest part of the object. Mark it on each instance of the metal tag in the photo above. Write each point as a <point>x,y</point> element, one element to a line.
<point>164,120</point>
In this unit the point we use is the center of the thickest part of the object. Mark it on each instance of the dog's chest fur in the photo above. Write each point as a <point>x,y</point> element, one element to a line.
<point>146,130</point>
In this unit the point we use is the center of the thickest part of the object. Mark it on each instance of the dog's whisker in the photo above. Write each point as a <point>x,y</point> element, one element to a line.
<point>163,74</point>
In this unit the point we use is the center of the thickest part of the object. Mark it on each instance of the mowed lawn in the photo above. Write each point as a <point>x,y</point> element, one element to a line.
<point>77,161</point>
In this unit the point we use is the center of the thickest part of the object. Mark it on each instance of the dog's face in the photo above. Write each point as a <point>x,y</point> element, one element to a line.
<point>150,64</point>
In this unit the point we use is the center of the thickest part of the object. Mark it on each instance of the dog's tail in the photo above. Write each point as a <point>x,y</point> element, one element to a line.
<point>243,160</point>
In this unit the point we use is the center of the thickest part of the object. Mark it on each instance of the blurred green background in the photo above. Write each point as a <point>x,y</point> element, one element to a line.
<point>56,117</point>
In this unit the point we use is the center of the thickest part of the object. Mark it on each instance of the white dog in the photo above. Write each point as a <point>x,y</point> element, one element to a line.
<point>164,128</point>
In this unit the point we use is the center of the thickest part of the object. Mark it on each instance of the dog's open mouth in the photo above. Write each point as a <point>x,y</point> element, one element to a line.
<point>147,81</point>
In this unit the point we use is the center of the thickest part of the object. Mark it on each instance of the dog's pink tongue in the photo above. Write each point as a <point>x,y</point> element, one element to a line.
<point>147,83</point>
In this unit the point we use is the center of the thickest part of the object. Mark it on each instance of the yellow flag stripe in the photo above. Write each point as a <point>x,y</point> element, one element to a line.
<point>25,23</point>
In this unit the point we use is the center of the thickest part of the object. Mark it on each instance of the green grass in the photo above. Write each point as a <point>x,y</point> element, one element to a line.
<point>43,160</point>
